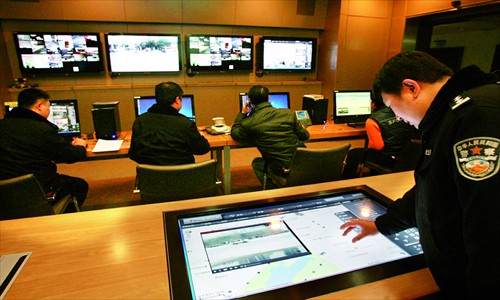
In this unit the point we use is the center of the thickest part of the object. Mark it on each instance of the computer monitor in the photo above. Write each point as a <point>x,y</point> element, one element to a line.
<point>284,247</point>
<point>64,114</point>
<point>143,103</point>
<point>351,107</point>
<point>277,99</point>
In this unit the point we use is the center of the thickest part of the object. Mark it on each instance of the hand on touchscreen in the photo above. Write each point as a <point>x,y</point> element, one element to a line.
<point>367,228</point>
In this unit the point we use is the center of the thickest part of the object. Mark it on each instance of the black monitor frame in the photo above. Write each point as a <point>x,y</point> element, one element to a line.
<point>266,52</point>
<point>69,60</point>
<point>351,118</point>
<point>184,97</point>
<point>218,64</point>
<point>133,56</point>
<point>180,287</point>
<point>244,96</point>
<point>67,102</point>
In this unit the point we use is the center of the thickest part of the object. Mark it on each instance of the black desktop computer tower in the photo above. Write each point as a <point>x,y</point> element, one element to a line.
<point>106,118</point>
<point>317,107</point>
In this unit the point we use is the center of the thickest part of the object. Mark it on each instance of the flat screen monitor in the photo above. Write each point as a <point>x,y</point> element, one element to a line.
<point>219,53</point>
<point>288,54</point>
<point>143,53</point>
<point>351,107</point>
<point>283,248</point>
<point>277,99</point>
<point>65,53</point>
<point>64,114</point>
<point>143,103</point>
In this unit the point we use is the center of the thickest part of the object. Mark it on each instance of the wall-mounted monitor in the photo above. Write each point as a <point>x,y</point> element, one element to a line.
<point>143,103</point>
<point>277,99</point>
<point>283,248</point>
<point>63,53</point>
<point>64,114</point>
<point>143,53</point>
<point>351,107</point>
<point>219,53</point>
<point>287,54</point>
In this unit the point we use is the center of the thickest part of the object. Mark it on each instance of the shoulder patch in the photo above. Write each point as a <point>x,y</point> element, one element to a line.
<point>477,158</point>
<point>459,100</point>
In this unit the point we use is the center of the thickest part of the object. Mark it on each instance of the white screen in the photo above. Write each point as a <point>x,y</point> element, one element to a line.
<point>352,103</point>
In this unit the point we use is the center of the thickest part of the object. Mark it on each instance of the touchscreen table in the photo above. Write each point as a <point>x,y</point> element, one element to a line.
<point>283,246</point>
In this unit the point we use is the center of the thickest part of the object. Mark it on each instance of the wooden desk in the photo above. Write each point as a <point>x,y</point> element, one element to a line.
<point>119,253</point>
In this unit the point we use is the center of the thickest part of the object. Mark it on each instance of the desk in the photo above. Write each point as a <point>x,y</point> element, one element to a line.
<point>119,253</point>
<point>221,146</point>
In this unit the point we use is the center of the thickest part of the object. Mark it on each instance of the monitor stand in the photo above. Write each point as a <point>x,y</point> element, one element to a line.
<point>356,125</point>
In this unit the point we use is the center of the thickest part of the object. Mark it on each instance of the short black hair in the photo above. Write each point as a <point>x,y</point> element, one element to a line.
<point>167,92</point>
<point>415,65</point>
<point>258,94</point>
<point>28,97</point>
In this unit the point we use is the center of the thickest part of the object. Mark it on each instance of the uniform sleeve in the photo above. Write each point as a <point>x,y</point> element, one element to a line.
<point>302,132</point>
<point>199,144</point>
<point>63,151</point>
<point>375,140</point>
<point>400,215</point>
<point>136,133</point>
<point>238,132</point>
<point>475,149</point>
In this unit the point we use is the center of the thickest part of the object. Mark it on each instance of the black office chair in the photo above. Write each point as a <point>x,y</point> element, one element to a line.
<point>169,183</point>
<point>406,161</point>
<point>24,197</point>
<point>310,166</point>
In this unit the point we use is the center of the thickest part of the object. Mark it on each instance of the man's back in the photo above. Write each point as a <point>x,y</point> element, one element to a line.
<point>275,132</point>
<point>165,137</point>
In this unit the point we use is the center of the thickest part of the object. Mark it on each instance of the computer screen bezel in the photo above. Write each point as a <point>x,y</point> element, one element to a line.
<point>227,66</point>
<point>178,275</point>
<point>113,70</point>
<point>264,53</point>
<point>184,96</point>
<point>69,67</point>
<point>77,116</point>
<point>350,119</point>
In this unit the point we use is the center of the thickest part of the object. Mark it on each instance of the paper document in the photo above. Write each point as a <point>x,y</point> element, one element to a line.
<point>107,145</point>
<point>10,266</point>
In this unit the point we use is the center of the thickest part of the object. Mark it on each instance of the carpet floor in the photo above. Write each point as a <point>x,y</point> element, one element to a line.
<point>119,192</point>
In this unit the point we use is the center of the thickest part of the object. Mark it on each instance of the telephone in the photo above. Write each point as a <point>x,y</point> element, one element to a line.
<point>218,129</point>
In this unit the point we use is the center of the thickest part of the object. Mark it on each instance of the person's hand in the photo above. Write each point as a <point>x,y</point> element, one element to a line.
<point>79,142</point>
<point>367,228</point>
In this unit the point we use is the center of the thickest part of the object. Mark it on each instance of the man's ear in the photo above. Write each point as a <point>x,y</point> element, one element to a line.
<point>412,86</point>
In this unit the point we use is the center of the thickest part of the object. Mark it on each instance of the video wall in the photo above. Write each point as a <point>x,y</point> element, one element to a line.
<point>89,52</point>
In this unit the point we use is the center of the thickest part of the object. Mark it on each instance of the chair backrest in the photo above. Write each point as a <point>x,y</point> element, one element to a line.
<point>408,158</point>
<point>179,182</point>
<point>23,197</point>
<point>317,165</point>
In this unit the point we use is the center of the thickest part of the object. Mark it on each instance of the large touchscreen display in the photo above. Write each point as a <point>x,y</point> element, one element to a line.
<point>236,253</point>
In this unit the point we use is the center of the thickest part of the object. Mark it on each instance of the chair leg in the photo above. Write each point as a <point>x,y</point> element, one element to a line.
<point>75,202</point>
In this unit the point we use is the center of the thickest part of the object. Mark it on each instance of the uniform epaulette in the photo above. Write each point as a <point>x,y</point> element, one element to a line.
<point>459,100</point>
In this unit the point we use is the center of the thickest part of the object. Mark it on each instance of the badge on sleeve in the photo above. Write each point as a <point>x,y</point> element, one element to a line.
<point>477,158</point>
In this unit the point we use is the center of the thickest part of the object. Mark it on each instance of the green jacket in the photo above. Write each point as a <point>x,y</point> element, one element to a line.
<point>275,132</point>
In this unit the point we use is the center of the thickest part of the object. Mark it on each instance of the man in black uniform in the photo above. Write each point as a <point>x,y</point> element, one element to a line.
<point>163,136</point>
<point>30,144</point>
<point>455,201</point>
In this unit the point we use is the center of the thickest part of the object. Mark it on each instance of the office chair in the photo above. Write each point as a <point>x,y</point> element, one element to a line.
<point>179,182</point>
<point>310,166</point>
<point>406,161</point>
<point>24,197</point>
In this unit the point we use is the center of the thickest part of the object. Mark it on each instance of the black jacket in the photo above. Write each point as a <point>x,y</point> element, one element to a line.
<point>162,136</point>
<point>455,201</point>
<point>29,143</point>
<point>275,132</point>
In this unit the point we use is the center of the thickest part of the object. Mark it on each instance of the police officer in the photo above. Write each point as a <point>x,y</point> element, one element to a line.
<point>455,203</point>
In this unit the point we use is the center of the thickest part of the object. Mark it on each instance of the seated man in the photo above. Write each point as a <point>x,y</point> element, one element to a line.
<point>387,136</point>
<point>162,136</point>
<point>275,132</point>
<point>29,143</point>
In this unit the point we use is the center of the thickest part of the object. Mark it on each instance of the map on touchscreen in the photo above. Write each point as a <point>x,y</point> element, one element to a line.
<point>236,253</point>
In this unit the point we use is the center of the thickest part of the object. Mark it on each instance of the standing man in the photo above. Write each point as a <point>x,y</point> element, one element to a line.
<point>29,143</point>
<point>455,201</point>
<point>163,136</point>
<point>275,132</point>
